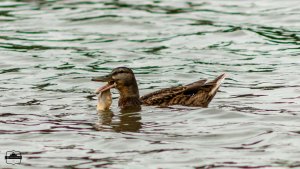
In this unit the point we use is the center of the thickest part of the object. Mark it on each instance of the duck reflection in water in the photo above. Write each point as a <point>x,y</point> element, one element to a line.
<point>127,122</point>
<point>129,119</point>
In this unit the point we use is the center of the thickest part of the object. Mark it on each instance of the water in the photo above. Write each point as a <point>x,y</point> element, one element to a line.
<point>49,49</point>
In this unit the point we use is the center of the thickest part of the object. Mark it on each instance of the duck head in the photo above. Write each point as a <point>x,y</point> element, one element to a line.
<point>123,79</point>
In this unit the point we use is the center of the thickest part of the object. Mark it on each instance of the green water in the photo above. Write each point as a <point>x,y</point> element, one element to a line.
<point>49,49</point>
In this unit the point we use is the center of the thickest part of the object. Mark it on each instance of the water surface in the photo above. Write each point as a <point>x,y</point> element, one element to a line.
<point>49,49</point>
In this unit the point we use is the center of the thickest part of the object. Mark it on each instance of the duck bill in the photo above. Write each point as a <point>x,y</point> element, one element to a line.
<point>106,78</point>
<point>110,83</point>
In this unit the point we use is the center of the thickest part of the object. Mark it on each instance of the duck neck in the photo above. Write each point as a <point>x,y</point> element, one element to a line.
<point>130,103</point>
<point>129,97</point>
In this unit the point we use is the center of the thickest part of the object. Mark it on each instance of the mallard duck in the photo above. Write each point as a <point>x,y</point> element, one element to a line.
<point>197,94</point>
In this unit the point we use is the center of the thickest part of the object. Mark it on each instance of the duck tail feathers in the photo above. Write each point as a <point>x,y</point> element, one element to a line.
<point>217,83</point>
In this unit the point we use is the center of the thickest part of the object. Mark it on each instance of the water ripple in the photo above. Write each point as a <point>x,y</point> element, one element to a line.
<point>51,49</point>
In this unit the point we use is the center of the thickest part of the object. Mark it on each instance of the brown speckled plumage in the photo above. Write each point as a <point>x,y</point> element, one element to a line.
<point>198,94</point>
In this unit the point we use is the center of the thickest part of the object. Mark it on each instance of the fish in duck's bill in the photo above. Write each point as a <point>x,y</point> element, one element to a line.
<point>197,94</point>
<point>104,97</point>
<point>104,100</point>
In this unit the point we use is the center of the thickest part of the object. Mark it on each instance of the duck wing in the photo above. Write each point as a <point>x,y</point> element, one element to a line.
<point>205,93</point>
<point>199,94</point>
<point>165,96</point>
